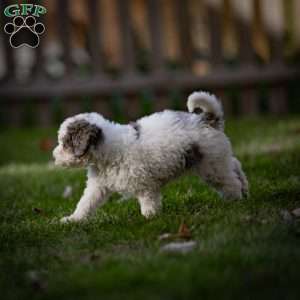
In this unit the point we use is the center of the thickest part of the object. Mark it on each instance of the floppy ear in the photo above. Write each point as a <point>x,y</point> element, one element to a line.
<point>81,135</point>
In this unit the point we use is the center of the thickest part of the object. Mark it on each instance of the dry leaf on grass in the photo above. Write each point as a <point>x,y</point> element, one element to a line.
<point>183,233</point>
<point>166,236</point>
<point>37,279</point>
<point>246,219</point>
<point>39,211</point>
<point>286,216</point>
<point>296,212</point>
<point>68,191</point>
<point>46,144</point>
<point>253,219</point>
<point>179,247</point>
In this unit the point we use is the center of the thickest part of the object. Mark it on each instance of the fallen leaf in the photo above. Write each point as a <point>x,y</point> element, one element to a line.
<point>68,191</point>
<point>286,216</point>
<point>38,211</point>
<point>247,219</point>
<point>264,221</point>
<point>166,236</point>
<point>296,212</point>
<point>47,144</point>
<point>179,247</point>
<point>184,232</point>
<point>37,280</point>
<point>94,257</point>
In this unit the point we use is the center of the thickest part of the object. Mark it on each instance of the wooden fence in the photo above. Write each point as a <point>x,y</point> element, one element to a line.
<point>131,91</point>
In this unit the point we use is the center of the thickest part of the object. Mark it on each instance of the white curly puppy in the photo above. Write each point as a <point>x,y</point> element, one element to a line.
<point>139,158</point>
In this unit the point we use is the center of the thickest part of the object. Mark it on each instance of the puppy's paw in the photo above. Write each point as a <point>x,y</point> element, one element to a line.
<point>69,219</point>
<point>150,212</point>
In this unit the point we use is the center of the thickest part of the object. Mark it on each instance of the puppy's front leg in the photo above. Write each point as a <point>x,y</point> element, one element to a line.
<point>150,203</point>
<point>92,197</point>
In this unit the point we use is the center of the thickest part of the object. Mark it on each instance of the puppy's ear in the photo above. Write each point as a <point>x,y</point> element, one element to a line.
<point>81,135</point>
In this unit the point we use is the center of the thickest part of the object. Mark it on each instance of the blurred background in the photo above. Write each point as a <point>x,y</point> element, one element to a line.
<point>128,58</point>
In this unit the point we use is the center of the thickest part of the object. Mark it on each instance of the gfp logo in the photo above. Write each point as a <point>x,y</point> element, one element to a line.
<point>24,30</point>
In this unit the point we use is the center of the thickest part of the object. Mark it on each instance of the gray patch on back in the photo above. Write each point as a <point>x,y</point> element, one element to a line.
<point>192,156</point>
<point>137,128</point>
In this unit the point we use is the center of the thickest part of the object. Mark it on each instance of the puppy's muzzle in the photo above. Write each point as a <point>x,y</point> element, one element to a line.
<point>58,156</point>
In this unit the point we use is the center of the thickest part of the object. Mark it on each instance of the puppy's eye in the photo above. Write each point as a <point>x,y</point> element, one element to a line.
<point>198,110</point>
<point>65,146</point>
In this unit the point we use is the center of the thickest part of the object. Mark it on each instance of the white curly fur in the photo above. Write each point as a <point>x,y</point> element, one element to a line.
<point>138,160</point>
<point>206,101</point>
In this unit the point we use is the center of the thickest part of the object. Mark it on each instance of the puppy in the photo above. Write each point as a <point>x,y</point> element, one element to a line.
<point>139,158</point>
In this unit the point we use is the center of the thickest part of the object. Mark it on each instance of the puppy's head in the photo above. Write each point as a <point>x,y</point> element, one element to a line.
<point>76,138</point>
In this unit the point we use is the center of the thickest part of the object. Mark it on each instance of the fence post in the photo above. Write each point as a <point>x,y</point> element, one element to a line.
<point>184,31</point>
<point>278,102</point>
<point>127,37</point>
<point>155,26</point>
<point>64,31</point>
<point>8,51</point>
<point>249,99</point>
<point>216,47</point>
<point>95,38</point>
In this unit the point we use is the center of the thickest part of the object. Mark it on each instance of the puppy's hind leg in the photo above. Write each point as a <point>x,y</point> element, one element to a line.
<point>237,167</point>
<point>219,173</point>
<point>150,203</point>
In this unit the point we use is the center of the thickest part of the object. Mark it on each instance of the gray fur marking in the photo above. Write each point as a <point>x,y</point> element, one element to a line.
<point>192,156</point>
<point>136,127</point>
<point>81,136</point>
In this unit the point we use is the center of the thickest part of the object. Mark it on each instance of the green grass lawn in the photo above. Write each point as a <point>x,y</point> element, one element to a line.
<point>245,249</point>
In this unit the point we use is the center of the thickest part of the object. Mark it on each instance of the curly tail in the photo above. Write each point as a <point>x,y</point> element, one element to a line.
<point>208,105</point>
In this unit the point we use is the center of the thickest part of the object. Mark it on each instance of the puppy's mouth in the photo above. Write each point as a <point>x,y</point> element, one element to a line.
<point>60,163</point>
<point>60,158</point>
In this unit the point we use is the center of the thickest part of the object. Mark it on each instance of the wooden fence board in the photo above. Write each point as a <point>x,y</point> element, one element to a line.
<point>95,37</point>
<point>128,50</point>
<point>184,31</point>
<point>216,47</point>
<point>8,52</point>
<point>155,26</point>
<point>64,33</point>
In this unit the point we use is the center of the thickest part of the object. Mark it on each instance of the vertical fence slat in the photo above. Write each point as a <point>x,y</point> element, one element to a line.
<point>246,53</point>
<point>215,33</point>
<point>11,111</point>
<point>95,37</point>
<point>155,26</point>
<point>184,31</point>
<point>249,101</point>
<point>72,106</point>
<point>101,104</point>
<point>44,115</point>
<point>64,30</point>
<point>278,102</point>
<point>38,68</point>
<point>8,51</point>
<point>277,46</point>
<point>127,37</point>
<point>249,97</point>
<point>226,101</point>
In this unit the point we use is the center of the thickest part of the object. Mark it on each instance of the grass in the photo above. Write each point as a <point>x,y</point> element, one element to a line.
<point>245,250</point>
